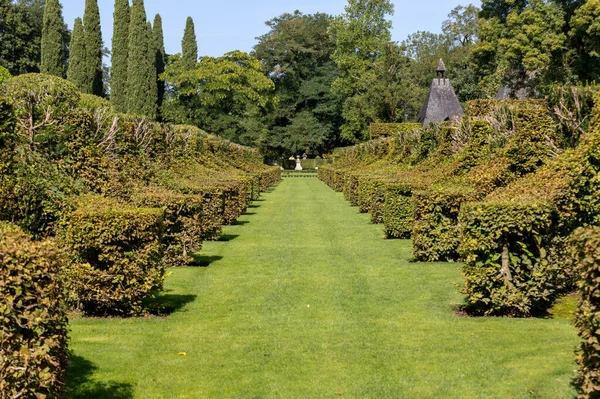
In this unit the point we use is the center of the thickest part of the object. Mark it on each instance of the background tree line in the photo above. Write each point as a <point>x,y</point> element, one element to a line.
<point>312,82</point>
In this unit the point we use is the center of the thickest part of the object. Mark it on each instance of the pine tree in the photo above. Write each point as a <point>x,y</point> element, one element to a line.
<point>120,45</point>
<point>159,62</point>
<point>54,46</point>
<point>189,46</point>
<point>76,72</point>
<point>93,48</point>
<point>141,74</point>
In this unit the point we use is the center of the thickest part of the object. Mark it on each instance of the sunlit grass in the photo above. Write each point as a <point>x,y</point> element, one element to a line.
<point>306,300</point>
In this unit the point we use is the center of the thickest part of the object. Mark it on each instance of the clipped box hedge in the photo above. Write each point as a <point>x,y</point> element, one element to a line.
<point>489,161</point>
<point>114,256</point>
<point>585,255</point>
<point>185,226</point>
<point>398,211</point>
<point>532,218</point>
<point>33,321</point>
<point>508,253</point>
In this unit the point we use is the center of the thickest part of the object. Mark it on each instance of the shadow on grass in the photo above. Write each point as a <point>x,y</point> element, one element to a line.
<point>240,222</point>
<point>167,304</point>
<point>249,213</point>
<point>253,206</point>
<point>80,385</point>
<point>227,237</point>
<point>204,261</point>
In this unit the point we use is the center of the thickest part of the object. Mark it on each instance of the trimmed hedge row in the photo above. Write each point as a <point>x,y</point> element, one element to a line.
<point>567,190</point>
<point>33,321</point>
<point>124,197</point>
<point>114,255</point>
<point>163,189</point>
<point>585,258</point>
<point>526,148</point>
<point>495,190</point>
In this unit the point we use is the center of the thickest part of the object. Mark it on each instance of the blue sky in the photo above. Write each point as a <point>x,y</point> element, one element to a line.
<point>226,25</point>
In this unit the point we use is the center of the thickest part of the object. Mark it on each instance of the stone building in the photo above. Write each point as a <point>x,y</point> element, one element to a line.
<point>441,103</point>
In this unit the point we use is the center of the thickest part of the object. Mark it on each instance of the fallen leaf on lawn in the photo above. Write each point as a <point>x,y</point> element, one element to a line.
<point>182,354</point>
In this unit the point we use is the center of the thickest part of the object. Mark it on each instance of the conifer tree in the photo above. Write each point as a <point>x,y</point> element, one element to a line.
<point>76,72</point>
<point>93,48</point>
<point>151,74</point>
<point>54,47</point>
<point>141,73</point>
<point>159,63</point>
<point>120,45</point>
<point>189,45</point>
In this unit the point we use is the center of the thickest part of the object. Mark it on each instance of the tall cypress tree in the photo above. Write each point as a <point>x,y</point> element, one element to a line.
<point>77,72</point>
<point>151,74</point>
<point>141,74</point>
<point>93,48</point>
<point>54,47</point>
<point>189,45</point>
<point>120,45</point>
<point>159,62</point>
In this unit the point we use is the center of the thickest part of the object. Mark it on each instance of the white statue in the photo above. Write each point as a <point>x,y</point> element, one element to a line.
<point>298,163</point>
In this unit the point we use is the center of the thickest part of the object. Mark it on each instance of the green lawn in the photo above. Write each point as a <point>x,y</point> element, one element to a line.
<point>306,300</point>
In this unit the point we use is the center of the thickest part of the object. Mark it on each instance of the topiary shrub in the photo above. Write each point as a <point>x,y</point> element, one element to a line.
<point>510,143</point>
<point>33,321</point>
<point>507,249</point>
<point>114,256</point>
<point>586,259</point>
<point>184,225</point>
<point>436,232</point>
<point>398,213</point>
<point>527,222</point>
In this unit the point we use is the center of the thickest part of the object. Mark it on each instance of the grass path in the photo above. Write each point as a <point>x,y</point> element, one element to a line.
<point>306,300</point>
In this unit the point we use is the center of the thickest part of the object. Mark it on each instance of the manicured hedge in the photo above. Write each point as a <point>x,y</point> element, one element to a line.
<point>398,211</point>
<point>585,256</point>
<point>493,158</point>
<point>507,249</point>
<point>185,227</point>
<point>114,256</point>
<point>33,321</point>
<point>533,217</point>
<point>57,144</point>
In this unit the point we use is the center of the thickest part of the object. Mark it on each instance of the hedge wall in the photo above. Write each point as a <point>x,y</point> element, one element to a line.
<point>493,158</point>
<point>178,183</point>
<point>114,255</point>
<point>33,321</point>
<point>586,259</point>
<point>529,222</point>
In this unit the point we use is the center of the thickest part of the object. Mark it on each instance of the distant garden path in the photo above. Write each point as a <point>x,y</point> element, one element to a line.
<point>306,300</point>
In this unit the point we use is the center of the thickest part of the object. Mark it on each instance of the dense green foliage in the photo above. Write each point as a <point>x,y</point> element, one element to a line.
<point>20,35</point>
<point>296,55</point>
<point>54,45</point>
<point>141,74</point>
<point>119,54</point>
<point>33,321</point>
<point>93,49</point>
<point>125,196</point>
<point>224,94</point>
<point>114,260</point>
<point>189,45</point>
<point>158,42</point>
<point>4,74</point>
<point>76,73</point>
<point>586,260</point>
